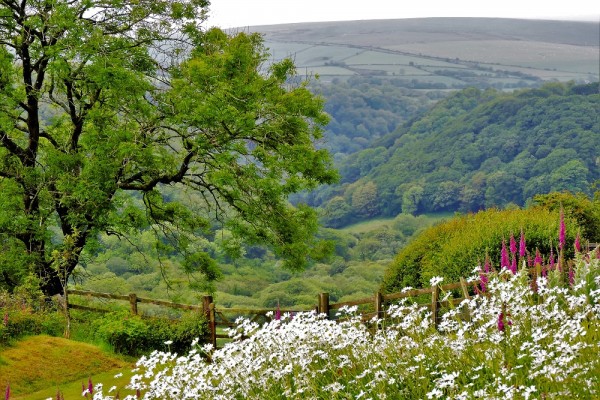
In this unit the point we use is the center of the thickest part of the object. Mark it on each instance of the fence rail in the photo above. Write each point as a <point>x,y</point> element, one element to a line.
<point>220,317</point>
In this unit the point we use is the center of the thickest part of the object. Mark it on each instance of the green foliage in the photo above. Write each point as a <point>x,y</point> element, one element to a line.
<point>134,335</point>
<point>364,200</point>
<point>25,322</point>
<point>578,206</point>
<point>125,333</point>
<point>475,149</point>
<point>362,110</point>
<point>353,270</point>
<point>25,312</point>
<point>408,224</point>
<point>132,104</point>
<point>452,249</point>
<point>337,213</point>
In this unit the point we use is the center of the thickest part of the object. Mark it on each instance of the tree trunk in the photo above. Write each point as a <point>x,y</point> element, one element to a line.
<point>50,280</point>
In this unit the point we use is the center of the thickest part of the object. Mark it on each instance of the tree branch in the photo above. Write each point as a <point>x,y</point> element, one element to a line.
<point>11,146</point>
<point>56,101</point>
<point>47,136</point>
<point>129,184</point>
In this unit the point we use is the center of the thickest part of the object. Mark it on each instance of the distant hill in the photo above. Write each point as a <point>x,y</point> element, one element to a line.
<point>422,110</point>
<point>449,52</point>
<point>473,150</point>
<point>376,75</point>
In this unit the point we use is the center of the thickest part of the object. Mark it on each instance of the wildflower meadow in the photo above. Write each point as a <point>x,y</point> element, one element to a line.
<point>513,340</point>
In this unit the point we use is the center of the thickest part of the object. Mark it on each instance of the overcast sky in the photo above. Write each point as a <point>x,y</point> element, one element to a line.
<point>242,13</point>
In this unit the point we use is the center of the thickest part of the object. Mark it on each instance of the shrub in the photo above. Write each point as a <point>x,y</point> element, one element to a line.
<point>134,335</point>
<point>181,332</point>
<point>578,206</point>
<point>452,248</point>
<point>127,334</point>
<point>25,312</point>
<point>189,327</point>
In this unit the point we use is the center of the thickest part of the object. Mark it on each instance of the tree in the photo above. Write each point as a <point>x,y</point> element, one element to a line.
<point>364,200</point>
<point>103,104</point>
<point>336,213</point>
<point>571,176</point>
<point>446,196</point>
<point>411,199</point>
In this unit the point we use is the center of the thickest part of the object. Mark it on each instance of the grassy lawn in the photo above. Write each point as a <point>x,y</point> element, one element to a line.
<point>367,226</point>
<point>38,366</point>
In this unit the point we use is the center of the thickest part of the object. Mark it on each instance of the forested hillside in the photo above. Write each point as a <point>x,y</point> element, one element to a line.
<point>473,150</point>
<point>363,109</point>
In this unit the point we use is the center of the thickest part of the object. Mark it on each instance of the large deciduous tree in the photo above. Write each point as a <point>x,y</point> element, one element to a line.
<point>103,102</point>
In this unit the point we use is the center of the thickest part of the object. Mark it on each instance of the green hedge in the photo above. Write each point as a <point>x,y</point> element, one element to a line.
<point>454,248</point>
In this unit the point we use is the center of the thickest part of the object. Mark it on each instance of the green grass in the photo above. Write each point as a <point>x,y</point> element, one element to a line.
<point>367,226</point>
<point>378,223</point>
<point>38,366</point>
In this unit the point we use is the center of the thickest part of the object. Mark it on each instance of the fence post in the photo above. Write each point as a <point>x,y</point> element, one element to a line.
<point>465,288</point>
<point>465,291</point>
<point>209,314</point>
<point>213,325</point>
<point>435,306</point>
<point>206,300</point>
<point>133,303</point>
<point>324,304</point>
<point>379,305</point>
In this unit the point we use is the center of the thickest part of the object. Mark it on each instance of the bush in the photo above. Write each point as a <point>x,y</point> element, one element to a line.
<point>180,332</point>
<point>125,333</point>
<point>452,248</point>
<point>578,206</point>
<point>25,312</point>
<point>134,335</point>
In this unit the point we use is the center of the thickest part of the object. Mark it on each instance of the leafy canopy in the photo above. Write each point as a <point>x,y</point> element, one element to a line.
<point>104,104</point>
<point>476,149</point>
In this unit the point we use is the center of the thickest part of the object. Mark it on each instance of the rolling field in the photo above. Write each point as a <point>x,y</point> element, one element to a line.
<point>498,52</point>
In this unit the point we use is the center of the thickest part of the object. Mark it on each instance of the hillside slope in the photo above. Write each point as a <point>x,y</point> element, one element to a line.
<point>43,362</point>
<point>477,149</point>
<point>374,75</point>
<point>448,52</point>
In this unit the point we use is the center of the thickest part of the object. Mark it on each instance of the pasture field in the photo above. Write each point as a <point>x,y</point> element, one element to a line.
<point>310,53</point>
<point>400,69</point>
<point>542,50</point>
<point>380,223</point>
<point>327,71</point>
<point>385,58</point>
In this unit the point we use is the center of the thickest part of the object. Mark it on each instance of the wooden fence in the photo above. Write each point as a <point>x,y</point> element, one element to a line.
<point>370,307</point>
<point>221,317</point>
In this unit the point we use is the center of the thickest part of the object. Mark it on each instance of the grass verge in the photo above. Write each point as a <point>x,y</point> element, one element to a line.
<point>38,366</point>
